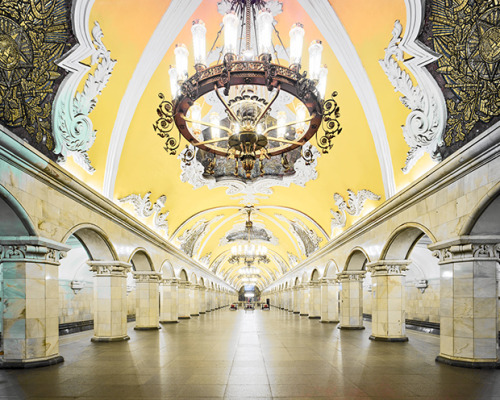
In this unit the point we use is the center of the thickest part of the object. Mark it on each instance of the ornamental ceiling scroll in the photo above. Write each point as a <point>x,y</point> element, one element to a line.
<point>33,35</point>
<point>467,35</point>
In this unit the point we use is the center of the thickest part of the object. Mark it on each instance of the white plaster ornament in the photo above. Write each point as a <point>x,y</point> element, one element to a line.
<point>144,209</point>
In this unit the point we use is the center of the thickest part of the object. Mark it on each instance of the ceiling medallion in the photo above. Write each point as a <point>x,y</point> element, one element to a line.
<point>248,79</point>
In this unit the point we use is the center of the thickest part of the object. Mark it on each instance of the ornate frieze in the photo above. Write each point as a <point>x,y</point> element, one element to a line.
<point>351,275</point>
<point>147,276</point>
<point>32,253</point>
<point>468,38</point>
<point>190,240</point>
<point>353,206</point>
<point>193,172</point>
<point>145,209</point>
<point>33,36</point>
<point>466,252</point>
<point>307,239</point>
<point>425,124</point>
<point>388,267</point>
<point>73,128</point>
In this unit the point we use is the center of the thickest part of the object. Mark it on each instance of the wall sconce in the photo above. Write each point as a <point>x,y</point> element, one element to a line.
<point>422,285</point>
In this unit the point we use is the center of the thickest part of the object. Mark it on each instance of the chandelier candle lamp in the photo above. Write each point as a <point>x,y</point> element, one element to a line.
<point>247,79</point>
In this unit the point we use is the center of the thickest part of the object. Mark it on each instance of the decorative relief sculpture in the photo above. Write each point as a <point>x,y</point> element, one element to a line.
<point>33,36</point>
<point>424,126</point>
<point>193,172</point>
<point>73,128</point>
<point>307,239</point>
<point>353,206</point>
<point>293,259</point>
<point>205,260</point>
<point>190,240</point>
<point>145,209</point>
<point>468,37</point>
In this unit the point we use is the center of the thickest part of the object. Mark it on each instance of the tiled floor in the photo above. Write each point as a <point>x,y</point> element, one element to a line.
<point>250,354</point>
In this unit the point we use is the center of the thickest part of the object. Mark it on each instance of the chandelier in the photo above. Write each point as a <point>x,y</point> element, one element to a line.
<point>247,79</point>
<point>248,253</point>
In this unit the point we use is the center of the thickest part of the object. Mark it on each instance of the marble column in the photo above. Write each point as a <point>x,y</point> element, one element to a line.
<point>388,300</point>
<point>147,300</point>
<point>208,306</point>
<point>468,311</point>
<point>351,300</point>
<point>329,300</point>
<point>30,302</point>
<point>304,300</point>
<point>194,299</point>
<point>184,303</point>
<point>296,299</point>
<point>314,300</point>
<point>202,300</point>
<point>169,301</point>
<point>110,300</point>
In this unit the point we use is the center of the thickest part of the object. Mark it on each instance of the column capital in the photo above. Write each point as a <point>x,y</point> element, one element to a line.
<point>110,268</point>
<point>388,267</point>
<point>328,281</point>
<point>32,249</point>
<point>147,276</point>
<point>313,283</point>
<point>184,283</point>
<point>169,281</point>
<point>351,275</point>
<point>467,248</point>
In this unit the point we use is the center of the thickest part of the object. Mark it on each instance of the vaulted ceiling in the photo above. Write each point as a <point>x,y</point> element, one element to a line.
<point>293,219</point>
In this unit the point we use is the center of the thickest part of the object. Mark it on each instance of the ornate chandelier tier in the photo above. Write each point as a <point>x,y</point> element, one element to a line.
<point>251,78</point>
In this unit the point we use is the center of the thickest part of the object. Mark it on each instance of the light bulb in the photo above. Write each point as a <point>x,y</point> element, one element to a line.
<point>296,42</point>
<point>215,120</point>
<point>196,115</point>
<point>301,112</point>
<point>280,122</point>
<point>264,31</point>
<point>315,50</point>
<point>199,31</point>
<point>181,61</point>
<point>321,86</point>
<point>174,84</point>
<point>231,23</point>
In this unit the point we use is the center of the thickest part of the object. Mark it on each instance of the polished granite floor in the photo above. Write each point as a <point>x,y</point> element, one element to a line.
<point>250,354</point>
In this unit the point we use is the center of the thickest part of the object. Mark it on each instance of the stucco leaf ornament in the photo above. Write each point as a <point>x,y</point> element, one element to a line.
<point>353,206</point>
<point>144,208</point>
<point>190,240</point>
<point>424,127</point>
<point>73,128</point>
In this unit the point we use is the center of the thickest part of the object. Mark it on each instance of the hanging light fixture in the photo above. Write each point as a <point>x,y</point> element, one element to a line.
<point>247,82</point>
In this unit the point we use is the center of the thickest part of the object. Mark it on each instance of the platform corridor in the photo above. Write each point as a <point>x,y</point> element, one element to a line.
<point>249,354</point>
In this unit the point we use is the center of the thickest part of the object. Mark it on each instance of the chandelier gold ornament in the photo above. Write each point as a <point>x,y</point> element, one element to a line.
<point>247,79</point>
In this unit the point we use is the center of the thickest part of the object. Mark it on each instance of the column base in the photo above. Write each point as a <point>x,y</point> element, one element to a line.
<point>311,317</point>
<point>169,322</point>
<point>109,338</point>
<point>388,339</point>
<point>329,322</point>
<point>186,317</point>
<point>202,312</point>
<point>468,364</point>
<point>296,312</point>
<point>25,364</point>
<point>147,328</point>
<point>351,328</point>
<point>303,315</point>
<point>194,315</point>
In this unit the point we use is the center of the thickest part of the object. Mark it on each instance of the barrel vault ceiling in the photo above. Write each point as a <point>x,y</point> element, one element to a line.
<point>292,220</point>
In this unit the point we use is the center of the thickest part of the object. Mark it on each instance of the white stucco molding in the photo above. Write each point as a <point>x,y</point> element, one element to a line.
<point>174,19</point>
<point>327,21</point>
<point>425,125</point>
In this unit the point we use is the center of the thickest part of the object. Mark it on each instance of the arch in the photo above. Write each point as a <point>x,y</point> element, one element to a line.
<point>297,281</point>
<point>183,276</point>
<point>95,241</point>
<point>167,270</point>
<point>331,269</point>
<point>201,281</point>
<point>402,241</point>
<point>315,275</point>
<point>193,278</point>
<point>141,260</point>
<point>357,260</point>
<point>483,220</point>
<point>305,278</point>
<point>15,219</point>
